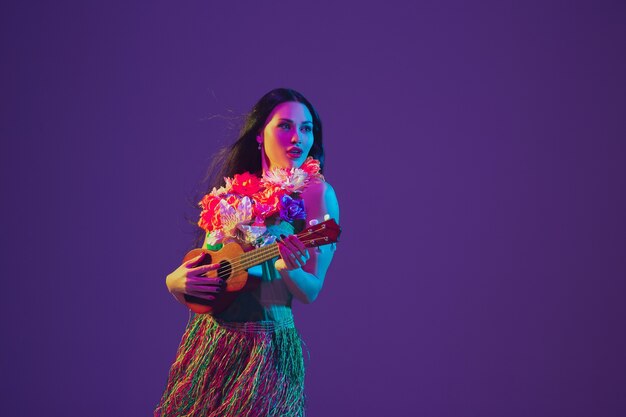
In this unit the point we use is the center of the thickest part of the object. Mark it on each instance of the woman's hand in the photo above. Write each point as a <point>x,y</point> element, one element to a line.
<point>293,253</point>
<point>188,279</point>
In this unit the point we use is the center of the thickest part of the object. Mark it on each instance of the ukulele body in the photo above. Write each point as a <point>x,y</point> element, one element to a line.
<point>235,282</point>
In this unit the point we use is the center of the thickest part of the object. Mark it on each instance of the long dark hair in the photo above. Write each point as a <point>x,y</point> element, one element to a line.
<point>244,155</point>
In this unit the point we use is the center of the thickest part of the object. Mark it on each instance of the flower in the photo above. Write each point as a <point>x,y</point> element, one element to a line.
<point>312,167</point>
<point>251,233</point>
<point>219,192</point>
<point>292,209</point>
<point>246,206</point>
<point>245,184</point>
<point>209,216</point>
<point>215,238</point>
<point>289,179</point>
<point>234,212</point>
<point>268,201</point>
<point>293,180</point>
<point>217,213</point>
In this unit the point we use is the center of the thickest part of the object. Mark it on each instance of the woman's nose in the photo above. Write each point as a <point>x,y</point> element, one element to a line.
<point>295,138</point>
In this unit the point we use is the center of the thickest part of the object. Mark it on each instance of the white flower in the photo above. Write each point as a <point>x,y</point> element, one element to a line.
<point>292,180</point>
<point>217,192</point>
<point>232,217</point>
<point>216,236</point>
<point>251,233</point>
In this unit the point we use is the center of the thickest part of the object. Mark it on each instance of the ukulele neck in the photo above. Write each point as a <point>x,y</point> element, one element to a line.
<point>259,255</point>
<point>310,237</point>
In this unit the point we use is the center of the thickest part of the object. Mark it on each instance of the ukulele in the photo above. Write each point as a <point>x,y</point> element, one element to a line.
<point>234,263</point>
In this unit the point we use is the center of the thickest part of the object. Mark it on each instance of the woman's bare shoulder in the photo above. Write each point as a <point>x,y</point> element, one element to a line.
<point>320,199</point>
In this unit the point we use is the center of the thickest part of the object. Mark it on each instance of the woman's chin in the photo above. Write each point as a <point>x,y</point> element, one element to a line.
<point>287,164</point>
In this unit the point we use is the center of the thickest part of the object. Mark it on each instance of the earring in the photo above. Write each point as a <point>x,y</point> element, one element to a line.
<point>259,145</point>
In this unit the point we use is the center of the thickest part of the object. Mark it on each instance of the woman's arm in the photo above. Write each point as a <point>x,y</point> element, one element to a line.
<point>305,276</point>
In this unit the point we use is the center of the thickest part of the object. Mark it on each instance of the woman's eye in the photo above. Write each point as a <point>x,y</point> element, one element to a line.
<point>284,126</point>
<point>306,128</point>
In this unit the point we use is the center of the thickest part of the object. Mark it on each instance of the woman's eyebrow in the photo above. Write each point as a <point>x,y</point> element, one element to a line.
<point>291,121</point>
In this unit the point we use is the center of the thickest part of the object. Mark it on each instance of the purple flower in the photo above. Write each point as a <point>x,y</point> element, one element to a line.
<point>291,209</point>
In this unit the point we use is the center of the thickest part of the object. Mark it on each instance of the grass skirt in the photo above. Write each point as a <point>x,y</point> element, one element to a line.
<point>248,369</point>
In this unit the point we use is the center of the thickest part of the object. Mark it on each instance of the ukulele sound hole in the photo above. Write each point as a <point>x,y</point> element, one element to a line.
<point>225,270</point>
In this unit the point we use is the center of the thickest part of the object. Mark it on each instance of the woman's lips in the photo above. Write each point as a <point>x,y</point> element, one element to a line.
<point>294,153</point>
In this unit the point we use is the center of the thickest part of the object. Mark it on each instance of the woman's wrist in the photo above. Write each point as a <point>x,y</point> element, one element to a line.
<point>176,293</point>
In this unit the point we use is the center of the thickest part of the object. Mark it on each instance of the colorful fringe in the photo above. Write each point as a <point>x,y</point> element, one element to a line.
<point>227,370</point>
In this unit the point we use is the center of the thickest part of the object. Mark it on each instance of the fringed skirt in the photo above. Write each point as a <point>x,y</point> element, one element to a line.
<point>252,369</point>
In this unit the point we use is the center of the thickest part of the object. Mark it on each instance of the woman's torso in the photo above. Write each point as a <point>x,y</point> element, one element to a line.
<point>270,299</point>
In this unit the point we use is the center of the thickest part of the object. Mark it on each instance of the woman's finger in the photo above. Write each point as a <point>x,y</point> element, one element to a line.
<point>301,260</point>
<point>298,244</point>
<point>206,289</point>
<point>302,254</point>
<point>285,254</point>
<point>291,257</point>
<point>203,269</point>
<point>290,243</point>
<point>204,281</point>
<point>204,296</point>
<point>195,260</point>
<point>293,260</point>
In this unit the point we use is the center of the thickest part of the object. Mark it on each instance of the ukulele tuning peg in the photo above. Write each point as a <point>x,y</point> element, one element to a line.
<point>313,222</point>
<point>326,217</point>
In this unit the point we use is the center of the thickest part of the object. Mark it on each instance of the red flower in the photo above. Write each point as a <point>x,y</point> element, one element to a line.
<point>268,201</point>
<point>268,195</point>
<point>311,166</point>
<point>245,184</point>
<point>233,200</point>
<point>209,217</point>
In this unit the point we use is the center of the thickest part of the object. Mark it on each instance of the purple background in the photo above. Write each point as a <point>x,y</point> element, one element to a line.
<point>477,151</point>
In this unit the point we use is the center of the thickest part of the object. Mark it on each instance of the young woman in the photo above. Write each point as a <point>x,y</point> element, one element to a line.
<point>246,359</point>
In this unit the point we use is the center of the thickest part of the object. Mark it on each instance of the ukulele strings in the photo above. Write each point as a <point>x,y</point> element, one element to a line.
<point>247,260</point>
<point>252,258</point>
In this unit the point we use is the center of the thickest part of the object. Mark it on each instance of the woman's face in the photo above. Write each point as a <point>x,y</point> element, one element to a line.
<point>287,136</point>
